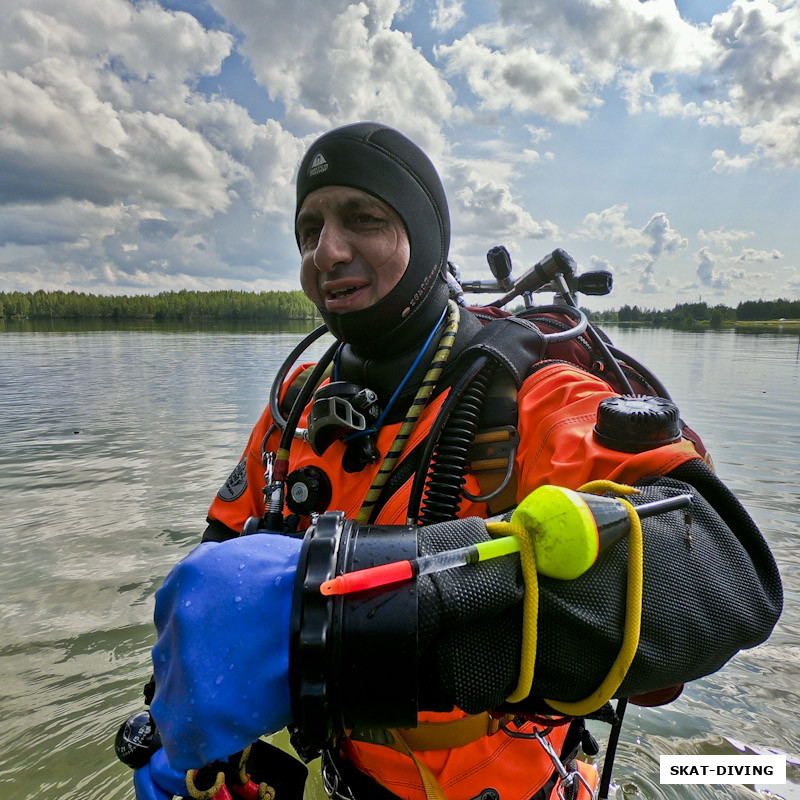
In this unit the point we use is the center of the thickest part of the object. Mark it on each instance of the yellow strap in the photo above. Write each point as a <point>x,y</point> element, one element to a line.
<point>434,736</point>
<point>265,791</point>
<point>431,787</point>
<point>446,735</point>
<point>633,610</point>
<point>243,776</point>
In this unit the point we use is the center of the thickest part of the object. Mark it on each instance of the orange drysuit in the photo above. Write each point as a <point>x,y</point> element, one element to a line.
<point>557,409</point>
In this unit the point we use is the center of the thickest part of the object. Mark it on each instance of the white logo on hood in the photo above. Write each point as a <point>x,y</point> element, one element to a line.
<point>318,165</point>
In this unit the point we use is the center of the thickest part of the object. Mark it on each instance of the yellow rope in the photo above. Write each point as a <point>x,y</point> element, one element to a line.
<point>243,776</point>
<point>265,791</point>
<point>410,421</point>
<point>633,609</point>
<point>203,794</point>
<point>530,605</point>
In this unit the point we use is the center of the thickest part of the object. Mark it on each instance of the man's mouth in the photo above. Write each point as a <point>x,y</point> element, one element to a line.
<point>338,293</point>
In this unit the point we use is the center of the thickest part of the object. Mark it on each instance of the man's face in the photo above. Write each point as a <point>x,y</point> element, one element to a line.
<point>354,248</point>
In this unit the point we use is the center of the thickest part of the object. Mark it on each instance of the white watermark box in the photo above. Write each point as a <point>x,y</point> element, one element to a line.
<point>723,769</point>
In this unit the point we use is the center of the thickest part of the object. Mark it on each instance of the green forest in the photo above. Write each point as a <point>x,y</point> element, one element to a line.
<point>690,314</point>
<point>183,305</point>
<point>255,306</point>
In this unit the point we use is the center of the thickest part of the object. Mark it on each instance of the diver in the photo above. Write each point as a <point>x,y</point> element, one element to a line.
<point>379,452</point>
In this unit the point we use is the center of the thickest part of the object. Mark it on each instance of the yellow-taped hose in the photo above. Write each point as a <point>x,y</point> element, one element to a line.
<point>412,415</point>
<point>633,608</point>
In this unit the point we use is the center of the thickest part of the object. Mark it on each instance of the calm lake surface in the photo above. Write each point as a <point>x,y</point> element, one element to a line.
<point>113,442</point>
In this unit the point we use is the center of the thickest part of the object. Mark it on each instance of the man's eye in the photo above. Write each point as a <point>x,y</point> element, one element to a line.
<point>367,219</point>
<point>309,235</point>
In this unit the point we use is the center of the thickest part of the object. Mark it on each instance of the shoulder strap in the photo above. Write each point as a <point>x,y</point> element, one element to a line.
<point>512,341</point>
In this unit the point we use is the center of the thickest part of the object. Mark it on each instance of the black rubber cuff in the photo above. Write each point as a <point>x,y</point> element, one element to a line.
<point>353,658</point>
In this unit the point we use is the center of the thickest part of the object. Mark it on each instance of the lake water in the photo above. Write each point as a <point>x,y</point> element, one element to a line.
<point>113,442</point>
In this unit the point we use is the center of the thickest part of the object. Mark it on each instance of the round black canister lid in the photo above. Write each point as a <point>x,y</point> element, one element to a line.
<point>635,423</point>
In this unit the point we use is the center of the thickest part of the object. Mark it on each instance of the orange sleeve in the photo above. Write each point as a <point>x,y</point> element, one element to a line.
<point>241,496</point>
<point>557,412</point>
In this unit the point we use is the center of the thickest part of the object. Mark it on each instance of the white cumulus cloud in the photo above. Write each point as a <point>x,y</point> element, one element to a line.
<point>657,235</point>
<point>611,223</point>
<point>446,14</point>
<point>754,73</point>
<point>482,204</point>
<point>102,130</point>
<point>759,256</point>
<point>722,238</point>
<point>338,62</point>
<point>516,77</point>
<point>662,238</point>
<point>723,277</point>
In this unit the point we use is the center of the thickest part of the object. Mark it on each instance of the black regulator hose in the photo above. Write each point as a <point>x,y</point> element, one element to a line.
<point>305,395</point>
<point>609,359</point>
<point>280,376</point>
<point>582,325</point>
<point>580,319</point>
<point>451,436</point>
<point>647,374</point>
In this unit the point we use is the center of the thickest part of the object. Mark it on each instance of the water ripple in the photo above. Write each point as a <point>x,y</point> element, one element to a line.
<point>113,444</point>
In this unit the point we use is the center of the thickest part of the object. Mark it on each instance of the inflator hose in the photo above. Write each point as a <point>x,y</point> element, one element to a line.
<point>452,433</point>
<point>446,477</point>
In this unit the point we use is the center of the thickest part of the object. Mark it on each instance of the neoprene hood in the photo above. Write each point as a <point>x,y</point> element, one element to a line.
<point>381,161</point>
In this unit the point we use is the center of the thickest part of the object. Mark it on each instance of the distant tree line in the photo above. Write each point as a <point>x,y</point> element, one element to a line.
<point>768,309</point>
<point>183,305</point>
<point>240,305</point>
<point>687,314</point>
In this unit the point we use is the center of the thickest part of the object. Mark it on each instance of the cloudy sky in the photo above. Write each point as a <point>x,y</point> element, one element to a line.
<point>147,147</point>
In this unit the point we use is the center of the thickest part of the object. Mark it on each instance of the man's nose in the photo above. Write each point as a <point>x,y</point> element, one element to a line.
<point>333,247</point>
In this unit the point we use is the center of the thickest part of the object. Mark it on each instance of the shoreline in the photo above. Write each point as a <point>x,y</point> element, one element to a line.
<point>782,325</point>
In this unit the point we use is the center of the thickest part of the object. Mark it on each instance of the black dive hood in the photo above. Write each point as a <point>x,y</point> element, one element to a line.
<point>384,163</point>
